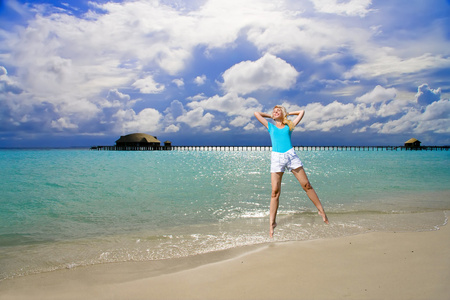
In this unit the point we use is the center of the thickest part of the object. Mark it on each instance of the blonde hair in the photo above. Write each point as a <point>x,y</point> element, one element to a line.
<point>285,121</point>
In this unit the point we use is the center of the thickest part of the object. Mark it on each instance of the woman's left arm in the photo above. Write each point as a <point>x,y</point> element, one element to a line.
<point>299,117</point>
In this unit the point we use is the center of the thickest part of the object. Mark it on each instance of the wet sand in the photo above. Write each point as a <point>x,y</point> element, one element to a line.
<point>379,265</point>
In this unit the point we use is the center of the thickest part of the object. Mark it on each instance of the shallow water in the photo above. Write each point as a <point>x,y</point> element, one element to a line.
<point>66,208</point>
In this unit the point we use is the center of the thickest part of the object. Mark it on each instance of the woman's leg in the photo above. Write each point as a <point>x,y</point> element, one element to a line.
<point>275,199</point>
<point>300,174</point>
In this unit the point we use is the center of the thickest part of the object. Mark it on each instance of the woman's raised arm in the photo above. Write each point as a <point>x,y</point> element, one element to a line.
<point>261,118</point>
<point>299,117</point>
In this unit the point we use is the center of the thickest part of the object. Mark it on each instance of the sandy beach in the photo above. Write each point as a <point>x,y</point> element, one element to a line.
<point>379,265</point>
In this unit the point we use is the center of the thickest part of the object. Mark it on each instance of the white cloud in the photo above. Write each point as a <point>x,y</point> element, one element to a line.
<point>249,127</point>
<point>78,110</point>
<point>147,120</point>
<point>230,104</point>
<point>434,118</point>
<point>115,98</point>
<point>268,72</point>
<point>316,38</point>
<point>350,7</point>
<point>425,95</point>
<point>145,30</point>
<point>195,118</point>
<point>378,94</point>
<point>405,115</point>
<point>441,126</point>
<point>437,110</point>
<point>218,23</point>
<point>334,115</point>
<point>239,121</point>
<point>404,124</point>
<point>179,82</point>
<point>200,80</point>
<point>383,63</point>
<point>7,85</point>
<point>62,124</point>
<point>172,128</point>
<point>115,95</point>
<point>197,97</point>
<point>220,128</point>
<point>148,85</point>
<point>63,64</point>
<point>394,107</point>
<point>175,109</point>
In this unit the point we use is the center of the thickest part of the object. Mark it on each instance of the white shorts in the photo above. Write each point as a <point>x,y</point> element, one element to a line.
<point>281,161</point>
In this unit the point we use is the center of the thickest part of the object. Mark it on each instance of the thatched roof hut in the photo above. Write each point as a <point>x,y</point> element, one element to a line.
<point>138,140</point>
<point>412,143</point>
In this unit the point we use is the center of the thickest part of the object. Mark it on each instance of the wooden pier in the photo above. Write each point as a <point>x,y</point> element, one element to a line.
<point>132,148</point>
<point>311,148</point>
<point>267,148</point>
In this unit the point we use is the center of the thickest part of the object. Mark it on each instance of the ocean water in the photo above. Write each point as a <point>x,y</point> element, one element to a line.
<point>67,208</point>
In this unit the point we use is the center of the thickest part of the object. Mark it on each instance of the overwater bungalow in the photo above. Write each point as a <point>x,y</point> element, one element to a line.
<point>138,140</point>
<point>412,143</point>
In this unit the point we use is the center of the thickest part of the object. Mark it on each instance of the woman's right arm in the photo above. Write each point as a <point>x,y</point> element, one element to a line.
<point>261,118</point>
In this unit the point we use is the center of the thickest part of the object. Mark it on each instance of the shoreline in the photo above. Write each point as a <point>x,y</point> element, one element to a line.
<point>375,265</point>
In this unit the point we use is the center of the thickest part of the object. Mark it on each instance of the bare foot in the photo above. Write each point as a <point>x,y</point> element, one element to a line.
<point>324,217</point>
<point>272,229</point>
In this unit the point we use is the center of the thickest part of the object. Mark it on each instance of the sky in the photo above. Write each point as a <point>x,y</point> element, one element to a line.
<point>83,73</point>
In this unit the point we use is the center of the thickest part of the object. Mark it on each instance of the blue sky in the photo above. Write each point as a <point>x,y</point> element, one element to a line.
<point>82,73</point>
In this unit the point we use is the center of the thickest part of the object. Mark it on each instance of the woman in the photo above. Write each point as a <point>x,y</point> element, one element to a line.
<point>284,157</point>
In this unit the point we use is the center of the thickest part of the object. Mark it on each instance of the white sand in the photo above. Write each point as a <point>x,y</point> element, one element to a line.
<point>385,265</point>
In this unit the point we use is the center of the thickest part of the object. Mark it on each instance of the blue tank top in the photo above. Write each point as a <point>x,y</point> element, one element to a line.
<point>281,138</point>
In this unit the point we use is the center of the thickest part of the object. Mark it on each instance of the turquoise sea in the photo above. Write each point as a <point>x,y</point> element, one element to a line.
<point>67,208</point>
